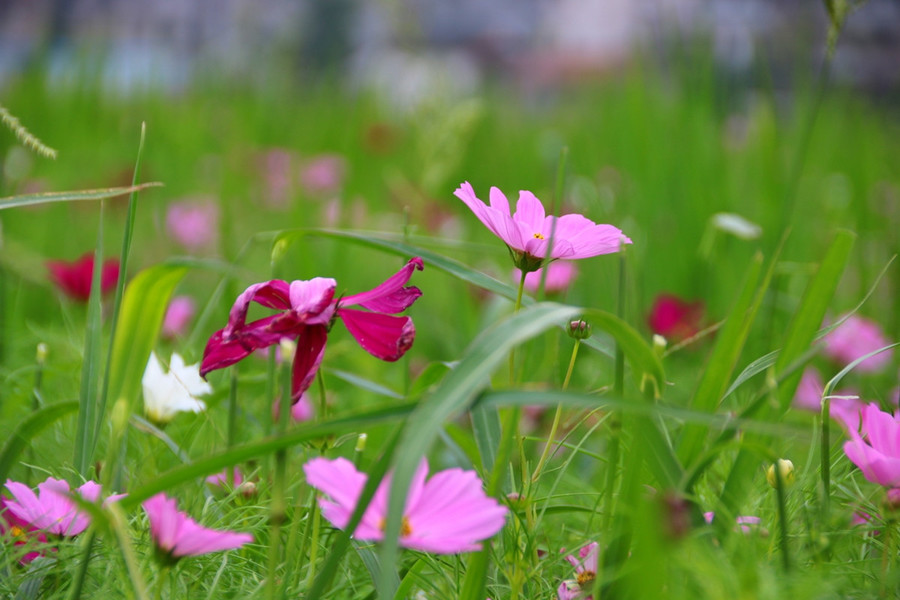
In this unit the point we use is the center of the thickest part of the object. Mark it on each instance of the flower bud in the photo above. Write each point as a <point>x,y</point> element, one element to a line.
<point>41,354</point>
<point>579,329</point>
<point>361,442</point>
<point>785,470</point>
<point>287,347</point>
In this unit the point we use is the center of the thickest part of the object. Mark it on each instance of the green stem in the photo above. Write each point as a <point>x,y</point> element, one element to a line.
<point>782,518</point>
<point>826,458</point>
<point>314,545</point>
<point>277,510</point>
<point>551,439</point>
<point>78,581</point>
<point>512,353</point>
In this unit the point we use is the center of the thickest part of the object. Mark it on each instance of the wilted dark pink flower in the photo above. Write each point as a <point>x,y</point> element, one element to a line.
<point>308,311</point>
<point>560,275</point>
<point>178,315</point>
<point>673,318</point>
<point>875,449</point>
<point>585,573</point>
<point>193,224</point>
<point>74,278</point>
<point>176,534</point>
<point>52,509</point>
<point>323,174</point>
<point>447,514</point>
<point>854,338</point>
<point>527,232</point>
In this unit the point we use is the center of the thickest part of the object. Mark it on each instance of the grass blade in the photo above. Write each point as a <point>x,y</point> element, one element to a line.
<point>73,196</point>
<point>19,438</point>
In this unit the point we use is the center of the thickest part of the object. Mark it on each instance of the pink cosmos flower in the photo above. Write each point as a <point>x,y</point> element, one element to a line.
<point>856,337</point>
<point>875,449</point>
<point>323,174</point>
<point>52,509</point>
<point>745,523</point>
<point>20,532</point>
<point>585,573</point>
<point>560,275</point>
<point>178,315</point>
<point>308,310</point>
<point>673,318</point>
<point>302,409</point>
<point>277,174</point>
<point>447,514</point>
<point>74,279</point>
<point>193,224</point>
<point>527,232</point>
<point>844,406</point>
<point>177,535</point>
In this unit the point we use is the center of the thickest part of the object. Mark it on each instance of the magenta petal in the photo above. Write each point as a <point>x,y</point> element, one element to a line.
<point>307,358</point>
<point>384,336</point>
<point>271,294</point>
<point>310,300</point>
<point>390,296</point>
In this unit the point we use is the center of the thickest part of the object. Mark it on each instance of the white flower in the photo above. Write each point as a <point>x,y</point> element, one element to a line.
<point>166,394</point>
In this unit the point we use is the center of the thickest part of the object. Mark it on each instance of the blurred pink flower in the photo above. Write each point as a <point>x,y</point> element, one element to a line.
<point>856,337</point>
<point>219,481</point>
<point>448,514</point>
<point>673,318</point>
<point>560,275</point>
<point>74,279</point>
<point>308,311</point>
<point>585,573</point>
<point>176,534</point>
<point>19,531</point>
<point>52,510</point>
<point>843,406</point>
<point>178,315</point>
<point>323,174</point>
<point>277,173</point>
<point>745,523</point>
<point>302,409</point>
<point>193,223</point>
<point>527,232</point>
<point>875,449</point>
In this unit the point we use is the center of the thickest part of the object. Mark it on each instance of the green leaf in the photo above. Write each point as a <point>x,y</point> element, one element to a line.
<point>487,432</point>
<point>143,308</point>
<point>723,359</point>
<point>18,439</point>
<point>75,196</point>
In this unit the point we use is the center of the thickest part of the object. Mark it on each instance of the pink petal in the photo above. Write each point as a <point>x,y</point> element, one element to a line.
<point>307,358</point>
<point>383,336</point>
<point>339,480</point>
<point>271,294</point>
<point>310,300</point>
<point>390,296</point>
<point>530,212</point>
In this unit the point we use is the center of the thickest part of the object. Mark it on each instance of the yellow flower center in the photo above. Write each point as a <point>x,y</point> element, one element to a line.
<point>585,577</point>
<point>17,532</point>
<point>538,236</point>
<point>405,527</point>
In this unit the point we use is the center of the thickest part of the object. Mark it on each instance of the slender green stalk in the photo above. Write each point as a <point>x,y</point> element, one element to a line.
<point>277,510</point>
<point>315,515</point>
<point>615,421</point>
<point>782,517</point>
<point>78,581</point>
<point>231,434</point>
<point>826,456</point>
<point>36,396</point>
<point>551,439</point>
<point>512,353</point>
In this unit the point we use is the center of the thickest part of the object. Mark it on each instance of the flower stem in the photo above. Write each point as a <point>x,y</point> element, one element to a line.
<point>277,509</point>
<point>512,353</point>
<point>826,458</point>
<point>232,423</point>
<point>782,518</point>
<point>551,439</point>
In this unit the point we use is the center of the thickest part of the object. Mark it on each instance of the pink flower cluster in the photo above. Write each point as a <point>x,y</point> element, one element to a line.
<point>855,337</point>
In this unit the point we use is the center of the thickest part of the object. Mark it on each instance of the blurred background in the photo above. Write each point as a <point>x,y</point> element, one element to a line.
<point>406,49</point>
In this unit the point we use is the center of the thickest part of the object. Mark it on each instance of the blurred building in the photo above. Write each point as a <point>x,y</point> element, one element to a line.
<point>414,44</point>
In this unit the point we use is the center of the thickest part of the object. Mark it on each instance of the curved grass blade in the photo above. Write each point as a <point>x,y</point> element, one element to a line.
<point>27,429</point>
<point>73,196</point>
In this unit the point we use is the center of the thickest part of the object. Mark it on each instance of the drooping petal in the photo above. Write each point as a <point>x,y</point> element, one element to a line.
<point>384,336</point>
<point>225,348</point>
<point>390,296</point>
<point>178,535</point>
<point>307,358</point>
<point>271,294</point>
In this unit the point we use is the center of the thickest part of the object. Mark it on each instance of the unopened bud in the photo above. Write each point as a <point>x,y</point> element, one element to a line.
<point>785,470</point>
<point>361,442</point>
<point>41,354</point>
<point>659,344</point>
<point>579,329</point>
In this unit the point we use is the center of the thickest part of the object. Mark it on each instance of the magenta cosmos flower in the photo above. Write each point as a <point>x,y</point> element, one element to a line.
<point>74,278</point>
<point>176,534</point>
<point>585,573</point>
<point>447,514</point>
<point>527,232</point>
<point>856,337</point>
<point>52,509</point>
<point>674,318</point>
<point>308,309</point>
<point>875,449</point>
